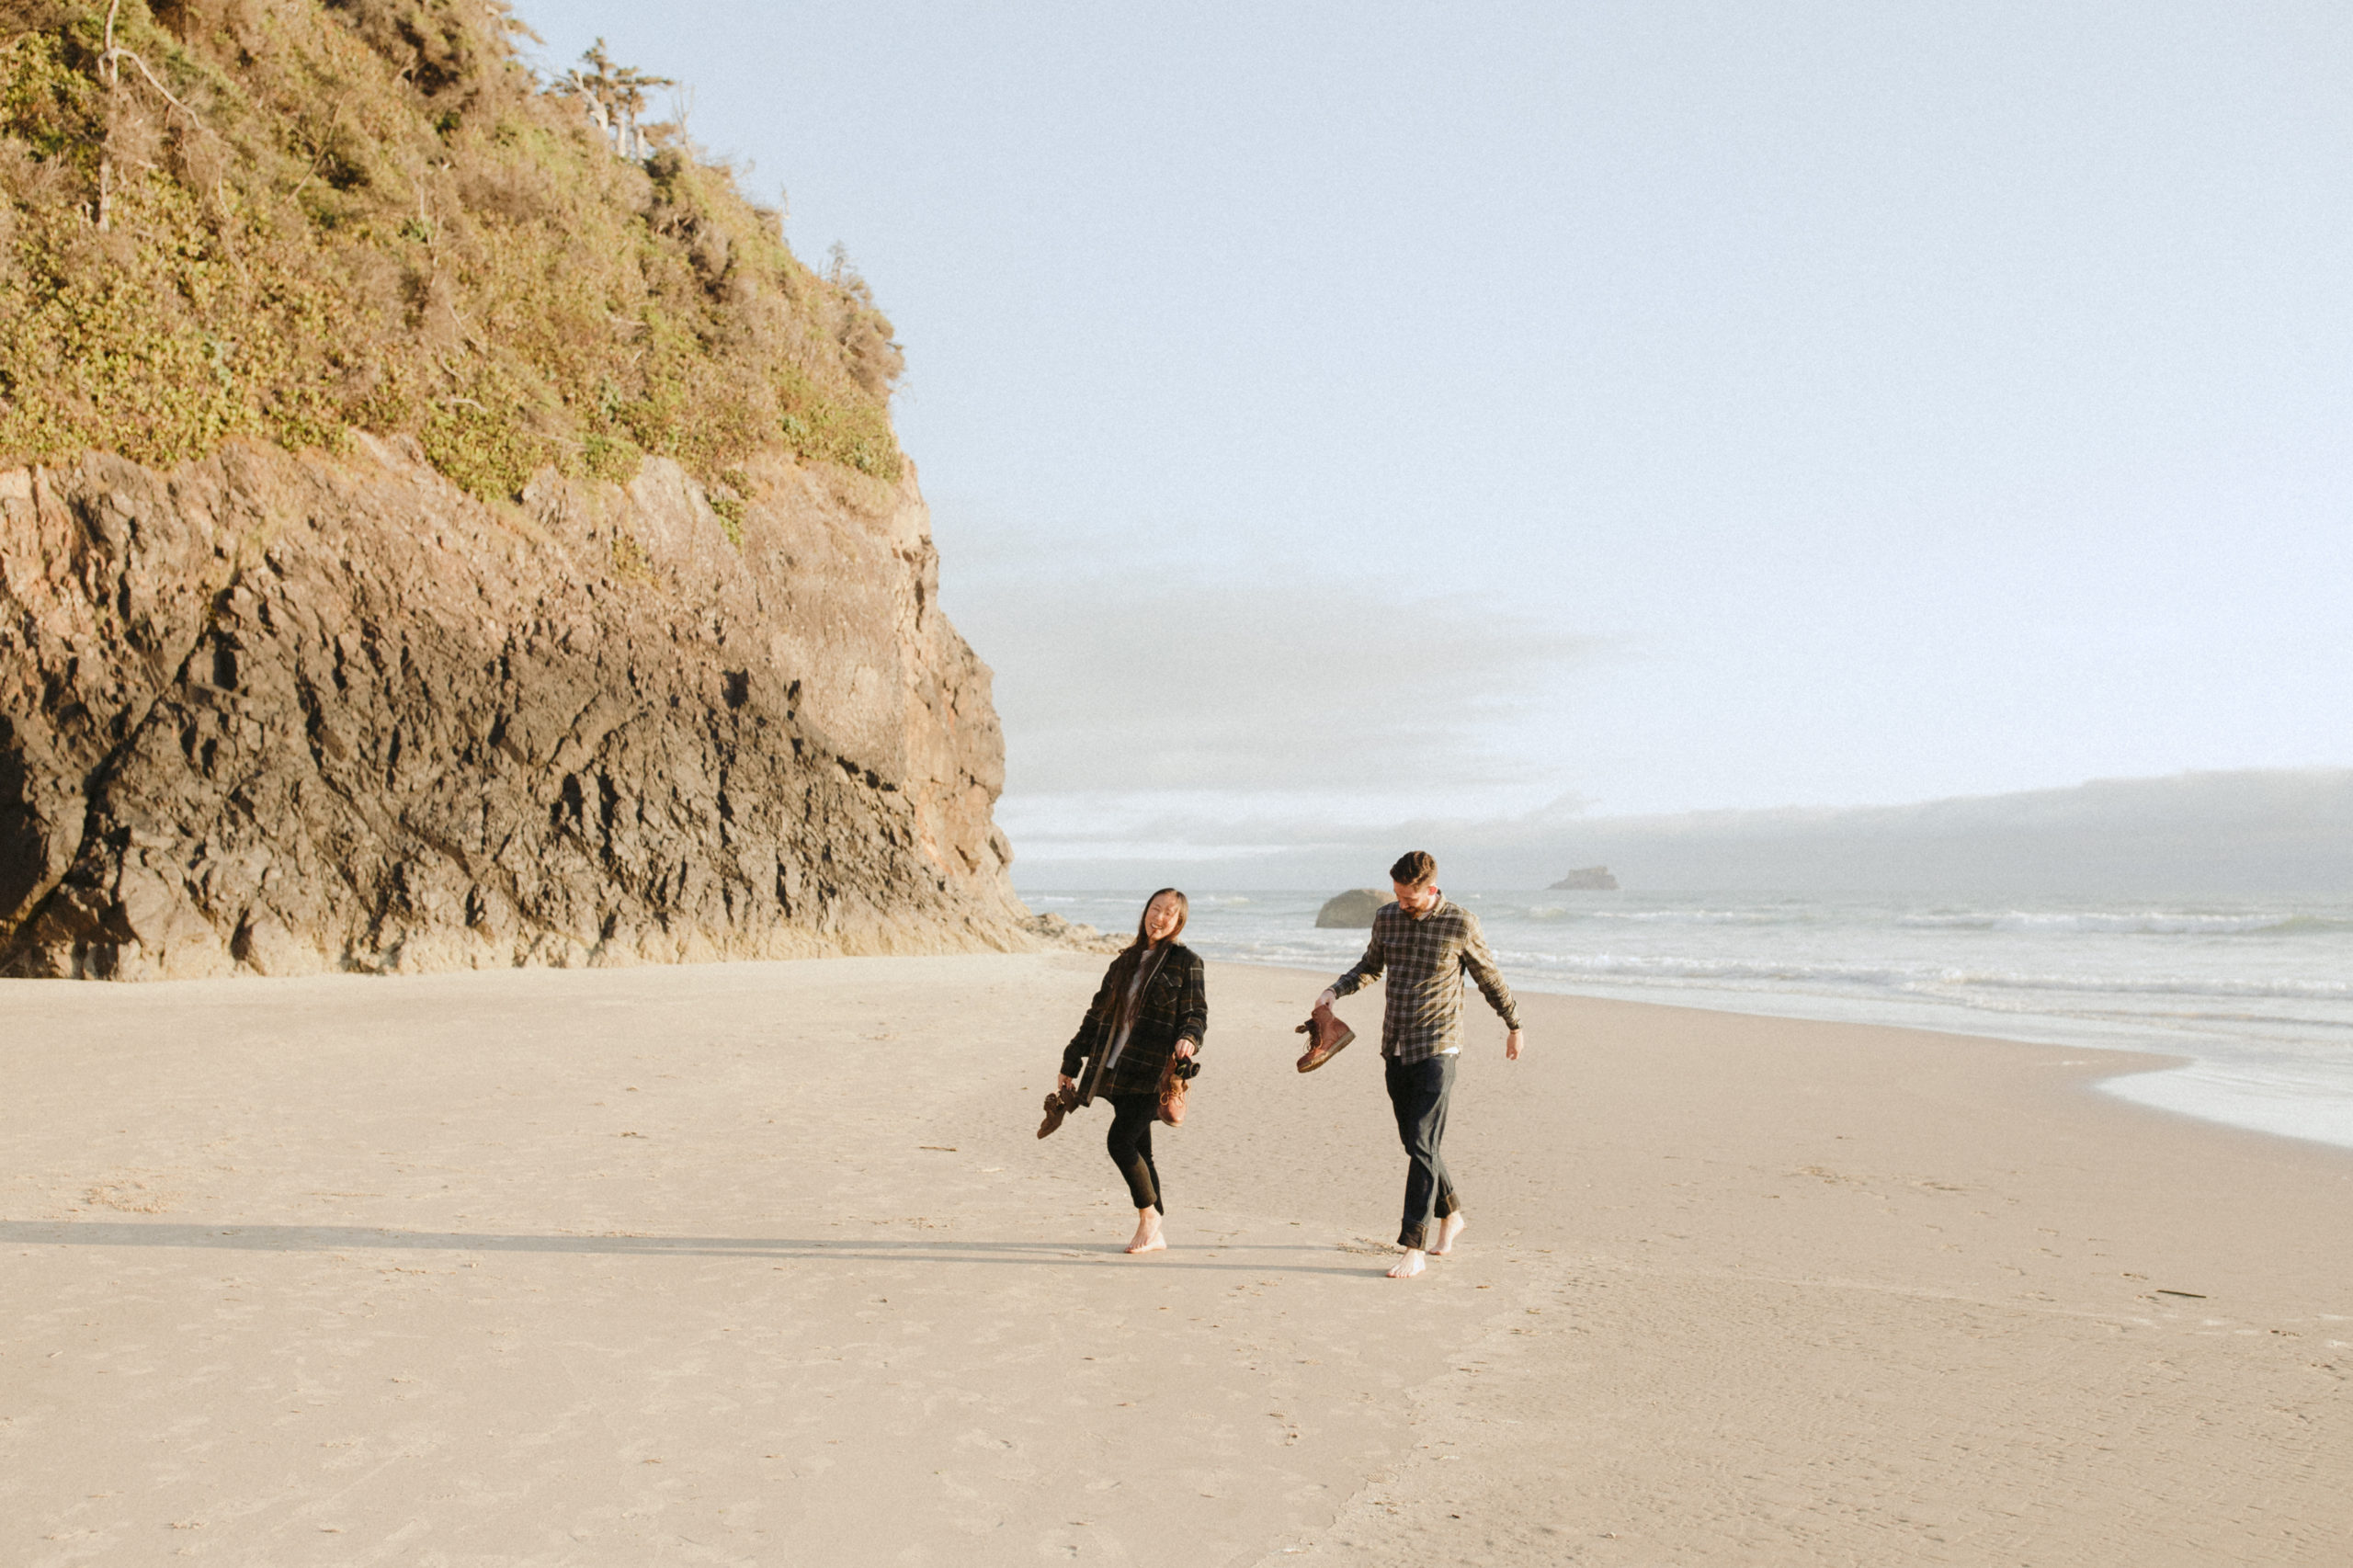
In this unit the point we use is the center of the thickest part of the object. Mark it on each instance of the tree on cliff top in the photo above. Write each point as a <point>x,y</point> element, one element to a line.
<point>616,96</point>
<point>292,219</point>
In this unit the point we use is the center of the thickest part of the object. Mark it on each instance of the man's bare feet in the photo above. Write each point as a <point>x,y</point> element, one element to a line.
<point>1408,1266</point>
<point>1448,1229</point>
<point>1148,1237</point>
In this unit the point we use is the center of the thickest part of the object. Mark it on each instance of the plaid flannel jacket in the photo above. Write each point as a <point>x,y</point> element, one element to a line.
<point>1424,958</point>
<point>1175,1005</point>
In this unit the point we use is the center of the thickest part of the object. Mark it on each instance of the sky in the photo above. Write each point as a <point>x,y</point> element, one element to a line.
<point>2258,834</point>
<point>1340,416</point>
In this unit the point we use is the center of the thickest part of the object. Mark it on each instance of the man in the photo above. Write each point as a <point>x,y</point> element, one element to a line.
<point>1425,942</point>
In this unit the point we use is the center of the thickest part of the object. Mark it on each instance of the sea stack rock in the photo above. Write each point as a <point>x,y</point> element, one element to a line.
<point>1352,910</point>
<point>275,713</point>
<point>1055,931</point>
<point>1587,879</point>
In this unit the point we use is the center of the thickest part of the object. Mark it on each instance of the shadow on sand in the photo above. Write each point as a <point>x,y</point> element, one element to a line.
<point>362,1238</point>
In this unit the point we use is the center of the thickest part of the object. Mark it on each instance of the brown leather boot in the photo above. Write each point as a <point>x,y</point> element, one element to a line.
<point>1327,1037</point>
<point>1058,1105</point>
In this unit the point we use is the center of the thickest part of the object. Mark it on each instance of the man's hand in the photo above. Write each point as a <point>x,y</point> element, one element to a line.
<point>1185,1048</point>
<point>1329,997</point>
<point>1065,1082</point>
<point>1512,1043</point>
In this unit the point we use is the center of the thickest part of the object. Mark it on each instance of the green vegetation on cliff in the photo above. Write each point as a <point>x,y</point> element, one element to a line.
<point>289,218</point>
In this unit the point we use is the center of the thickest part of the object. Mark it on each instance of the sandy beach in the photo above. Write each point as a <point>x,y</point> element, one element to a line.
<point>762,1264</point>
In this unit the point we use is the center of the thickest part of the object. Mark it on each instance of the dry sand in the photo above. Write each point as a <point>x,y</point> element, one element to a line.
<point>761,1264</point>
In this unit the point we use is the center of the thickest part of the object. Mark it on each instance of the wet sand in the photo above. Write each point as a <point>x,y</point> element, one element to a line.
<point>761,1264</point>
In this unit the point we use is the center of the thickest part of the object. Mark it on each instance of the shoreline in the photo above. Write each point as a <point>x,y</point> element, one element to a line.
<point>2299,1119</point>
<point>587,1266</point>
<point>2250,991</point>
<point>2163,1082</point>
<point>2162,1067</point>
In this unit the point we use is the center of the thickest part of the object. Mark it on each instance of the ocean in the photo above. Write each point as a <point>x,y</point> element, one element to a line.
<point>2257,994</point>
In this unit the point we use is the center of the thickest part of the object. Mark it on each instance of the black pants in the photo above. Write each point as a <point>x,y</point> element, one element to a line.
<point>1419,1094</point>
<point>1129,1142</point>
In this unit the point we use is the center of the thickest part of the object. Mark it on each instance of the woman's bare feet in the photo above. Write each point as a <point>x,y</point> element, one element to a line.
<point>1148,1237</point>
<point>1448,1229</point>
<point>1408,1266</point>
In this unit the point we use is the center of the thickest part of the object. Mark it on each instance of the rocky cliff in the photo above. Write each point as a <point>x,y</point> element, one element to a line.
<point>277,714</point>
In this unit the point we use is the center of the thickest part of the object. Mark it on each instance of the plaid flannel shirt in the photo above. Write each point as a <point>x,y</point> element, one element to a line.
<point>1175,1005</point>
<point>1425,956</point>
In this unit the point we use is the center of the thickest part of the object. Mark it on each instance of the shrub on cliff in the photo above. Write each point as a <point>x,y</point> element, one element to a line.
<point>288,219</point>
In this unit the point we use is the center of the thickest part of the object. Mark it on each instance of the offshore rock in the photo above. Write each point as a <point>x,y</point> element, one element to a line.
<point>279,714</point>
<point>1055,931</point>
<point>1587,879</point>
<point>1351,911</point>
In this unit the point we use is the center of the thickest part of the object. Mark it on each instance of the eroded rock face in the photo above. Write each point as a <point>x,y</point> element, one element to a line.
<point>283,714</point>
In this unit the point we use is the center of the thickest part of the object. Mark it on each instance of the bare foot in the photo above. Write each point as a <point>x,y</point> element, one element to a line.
<point>1148,1237</point>
<point>1448,1229</point>
<point>1408,1266</point>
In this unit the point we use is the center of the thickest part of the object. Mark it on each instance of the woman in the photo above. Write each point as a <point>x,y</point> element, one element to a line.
<point>1153,1005</point>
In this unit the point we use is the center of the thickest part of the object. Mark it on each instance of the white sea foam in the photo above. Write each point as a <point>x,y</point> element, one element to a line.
<point>2159,923</point>
<point>1678,967</point>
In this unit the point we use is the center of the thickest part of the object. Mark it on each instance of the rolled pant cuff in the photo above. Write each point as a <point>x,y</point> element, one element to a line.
<point>1424,1236</point>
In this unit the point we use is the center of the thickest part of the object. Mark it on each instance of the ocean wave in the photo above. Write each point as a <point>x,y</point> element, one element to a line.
<point>2158,923</point>
<point>1685,967</point>
<point>2168,985</point>
<point>2289,1031</point>
<point>2028,922</point>
<point>1549,913</point>
<point>1909,976</point>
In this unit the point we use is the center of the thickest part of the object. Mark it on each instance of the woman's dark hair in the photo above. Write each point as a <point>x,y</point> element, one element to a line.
<point>1184,911</point>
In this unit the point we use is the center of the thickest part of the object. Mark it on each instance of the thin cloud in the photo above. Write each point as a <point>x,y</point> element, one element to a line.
<point>1168,678</point>
<point>2245,832</point>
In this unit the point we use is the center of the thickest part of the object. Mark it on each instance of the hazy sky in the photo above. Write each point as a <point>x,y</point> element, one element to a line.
<point>1348,412</point>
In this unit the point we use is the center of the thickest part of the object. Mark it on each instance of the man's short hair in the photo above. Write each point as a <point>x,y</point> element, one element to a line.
<point>1414,867</point>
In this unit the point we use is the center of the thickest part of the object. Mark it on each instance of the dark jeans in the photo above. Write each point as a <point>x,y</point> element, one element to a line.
<point>1419,1094</point>
<point>1129,1142</point>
